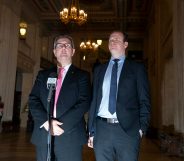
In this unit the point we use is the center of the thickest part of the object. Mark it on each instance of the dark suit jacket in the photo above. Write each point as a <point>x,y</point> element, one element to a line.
<point>133,98</point>
<point>73,103</point>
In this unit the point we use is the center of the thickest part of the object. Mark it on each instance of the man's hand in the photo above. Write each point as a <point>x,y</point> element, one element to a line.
<point>90,142</point>
<point>56,130</point>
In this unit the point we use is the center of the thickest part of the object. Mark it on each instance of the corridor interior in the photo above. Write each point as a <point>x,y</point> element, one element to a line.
<point>156,38</point>
<point>17,147</point>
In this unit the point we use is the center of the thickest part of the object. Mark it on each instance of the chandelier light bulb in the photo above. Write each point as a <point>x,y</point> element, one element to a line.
<point>99,42</point>
<point>93,44</point>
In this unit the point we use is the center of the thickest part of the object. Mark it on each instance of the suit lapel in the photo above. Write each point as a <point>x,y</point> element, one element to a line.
<point>124,73</point>
<point>101,76</point>
<point>69,78</point>
<point>124,70</point>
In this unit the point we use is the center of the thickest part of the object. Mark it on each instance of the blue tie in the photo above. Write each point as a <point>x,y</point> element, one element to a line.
<point>113,87</point>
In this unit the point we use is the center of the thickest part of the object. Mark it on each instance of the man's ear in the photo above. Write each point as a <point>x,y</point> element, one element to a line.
<point>126,44</point>
<point>73,52</point>
<point>54,51</point>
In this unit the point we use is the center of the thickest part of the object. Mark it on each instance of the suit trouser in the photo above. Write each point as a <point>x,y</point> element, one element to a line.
<point>64,152</point>
<point>111,143</point>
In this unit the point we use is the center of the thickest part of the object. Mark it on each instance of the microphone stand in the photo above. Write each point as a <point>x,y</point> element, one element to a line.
<point>51,90</point>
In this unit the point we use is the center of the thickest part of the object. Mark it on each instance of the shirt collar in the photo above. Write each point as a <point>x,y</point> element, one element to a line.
<point>121,59</point>
<point>66,67</point>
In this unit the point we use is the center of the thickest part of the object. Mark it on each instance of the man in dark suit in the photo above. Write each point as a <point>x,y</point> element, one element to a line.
<point>120,108</point>
<point>70,103</point>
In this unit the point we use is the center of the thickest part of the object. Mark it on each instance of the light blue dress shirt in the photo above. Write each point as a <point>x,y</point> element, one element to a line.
<point>103,110</point>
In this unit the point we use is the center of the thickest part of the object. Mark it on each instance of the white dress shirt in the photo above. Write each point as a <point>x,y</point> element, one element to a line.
<point>103,110</point>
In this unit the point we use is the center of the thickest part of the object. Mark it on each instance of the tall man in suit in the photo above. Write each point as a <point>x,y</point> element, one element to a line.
<point>70,103</point>
<point>120,108</point>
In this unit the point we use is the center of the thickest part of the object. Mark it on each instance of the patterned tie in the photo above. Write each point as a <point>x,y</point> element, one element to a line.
<point>58,87</point>
<point>113,87</point>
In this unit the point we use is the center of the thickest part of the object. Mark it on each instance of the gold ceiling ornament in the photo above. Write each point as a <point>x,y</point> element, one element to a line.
<point>90,44</point>
<point>73,14</point>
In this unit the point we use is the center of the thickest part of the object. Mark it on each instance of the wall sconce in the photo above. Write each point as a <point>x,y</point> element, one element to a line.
<point>22,30</point>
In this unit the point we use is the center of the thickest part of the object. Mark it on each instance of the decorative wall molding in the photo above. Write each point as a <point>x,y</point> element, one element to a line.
<point>25,63</point>
<point>24,48</point>
<point>167,33</point>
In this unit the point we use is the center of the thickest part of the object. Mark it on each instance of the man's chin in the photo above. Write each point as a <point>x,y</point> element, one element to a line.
<point>64,60</point>
<point>115,54</point>
<point>64,57</point>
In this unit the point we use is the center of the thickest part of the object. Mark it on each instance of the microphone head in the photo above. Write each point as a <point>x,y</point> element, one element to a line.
<point>52,80</point>
<point>53,75</point>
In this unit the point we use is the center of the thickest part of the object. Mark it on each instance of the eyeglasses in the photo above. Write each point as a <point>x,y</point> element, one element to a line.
<point>60,46</point>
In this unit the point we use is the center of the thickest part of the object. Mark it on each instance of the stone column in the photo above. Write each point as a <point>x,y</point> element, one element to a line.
<point>9,28</point>
<point>26,88</point>
<point>166,62</point>
<point>178,37</point>
<point>30,70</point>
<point>152,49</point>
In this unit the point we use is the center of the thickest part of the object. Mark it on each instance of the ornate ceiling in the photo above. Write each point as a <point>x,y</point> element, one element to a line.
<point>128,15</point>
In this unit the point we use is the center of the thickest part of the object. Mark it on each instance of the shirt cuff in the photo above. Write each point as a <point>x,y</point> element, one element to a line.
<point>141,133</point>
<point>44,125</point>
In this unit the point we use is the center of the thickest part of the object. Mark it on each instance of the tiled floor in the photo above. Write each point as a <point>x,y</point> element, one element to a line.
<point>16,147</point>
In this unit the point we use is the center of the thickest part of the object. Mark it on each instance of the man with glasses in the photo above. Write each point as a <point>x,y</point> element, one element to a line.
<point>120,108</point>
<point>71,102</point>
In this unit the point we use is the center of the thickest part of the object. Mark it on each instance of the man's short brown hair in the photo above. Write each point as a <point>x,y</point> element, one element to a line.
<point>64,36</point>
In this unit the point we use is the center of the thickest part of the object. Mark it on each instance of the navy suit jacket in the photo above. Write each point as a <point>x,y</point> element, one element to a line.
<point>133,98</point>
<point>73,103</point>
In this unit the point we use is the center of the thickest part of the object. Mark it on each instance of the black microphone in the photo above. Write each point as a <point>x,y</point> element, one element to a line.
<point>51,85</point>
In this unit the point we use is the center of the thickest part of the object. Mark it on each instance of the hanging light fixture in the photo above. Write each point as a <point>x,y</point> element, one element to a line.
<point>22,30</point>
<point>90,44</point>
<point>73,14</point>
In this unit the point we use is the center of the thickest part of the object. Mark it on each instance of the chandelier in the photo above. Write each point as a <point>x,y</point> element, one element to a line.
<point>90,44</point>
<point>73,14</point>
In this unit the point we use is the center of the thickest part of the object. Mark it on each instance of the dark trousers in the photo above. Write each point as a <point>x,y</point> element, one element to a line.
<point>111,143</point>
<point>65,152</point>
